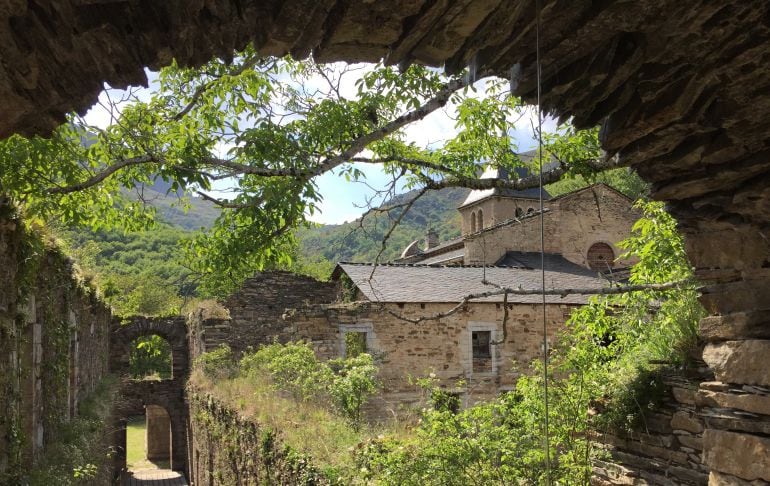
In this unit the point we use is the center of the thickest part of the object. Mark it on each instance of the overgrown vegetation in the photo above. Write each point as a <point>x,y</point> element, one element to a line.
<point>604,374</point>
<point>283,387</point>
<point>150,358</point>
<point>81,454</point>
<point>608,358</point>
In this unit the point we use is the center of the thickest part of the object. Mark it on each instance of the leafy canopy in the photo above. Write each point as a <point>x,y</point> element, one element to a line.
<point>264,129</point>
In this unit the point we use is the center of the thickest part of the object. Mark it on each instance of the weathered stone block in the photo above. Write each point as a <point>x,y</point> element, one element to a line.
<point>740,325</point>
<point>743,455</point>
<point>719,479</point>
<point>684,395</point>
<point>686,421</point>
<point>749,402</point>
<point>743,362</point>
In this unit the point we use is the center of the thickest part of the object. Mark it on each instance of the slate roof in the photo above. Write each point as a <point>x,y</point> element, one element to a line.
<point>445,257</point>
<point>427,283</point>
<point>553,262</point>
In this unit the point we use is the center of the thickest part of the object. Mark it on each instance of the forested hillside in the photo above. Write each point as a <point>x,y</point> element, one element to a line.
<point>145,273</point>
<point>362,242</point>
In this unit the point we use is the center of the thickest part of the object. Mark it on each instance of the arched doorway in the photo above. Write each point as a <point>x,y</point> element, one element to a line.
<point>149,440</point>
<point>151,357</point>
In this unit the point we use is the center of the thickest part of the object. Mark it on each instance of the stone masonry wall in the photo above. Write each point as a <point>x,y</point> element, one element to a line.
<point>136,397</point>
<point>442,347</point>
<point>666,449</point>
<point>53,344</point>
<point>256,309</point>
<point>572,224</point>
<point>226,448</point>
<point>270,307</point>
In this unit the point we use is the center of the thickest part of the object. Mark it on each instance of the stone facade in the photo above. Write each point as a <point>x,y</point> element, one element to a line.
<point>255,314</point>
<point>572,224</point>
<point>441,347</point>
<point>54,344</point>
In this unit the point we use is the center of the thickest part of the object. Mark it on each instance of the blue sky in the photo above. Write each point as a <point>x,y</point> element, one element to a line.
<point>345,201</point>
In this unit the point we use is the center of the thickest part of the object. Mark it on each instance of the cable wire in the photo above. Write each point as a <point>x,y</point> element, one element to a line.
<point>542,245</point>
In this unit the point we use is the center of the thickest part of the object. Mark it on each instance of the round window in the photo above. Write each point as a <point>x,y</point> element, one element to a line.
<point>601,257</point>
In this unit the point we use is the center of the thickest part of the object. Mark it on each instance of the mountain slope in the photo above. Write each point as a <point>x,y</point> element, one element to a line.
<point>361,242</point>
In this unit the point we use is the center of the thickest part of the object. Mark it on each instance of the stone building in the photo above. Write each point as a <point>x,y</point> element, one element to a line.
<point>476,350</point>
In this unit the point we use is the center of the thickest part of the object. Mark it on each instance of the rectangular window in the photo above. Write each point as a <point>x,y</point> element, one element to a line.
<point>355,343</point>
<point>482,352</point>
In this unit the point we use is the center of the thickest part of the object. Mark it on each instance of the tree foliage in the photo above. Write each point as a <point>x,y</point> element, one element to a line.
<point>608,361</point>
<point>268,128</point>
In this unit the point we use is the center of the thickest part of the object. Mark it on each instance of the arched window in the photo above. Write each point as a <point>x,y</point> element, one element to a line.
<point>481,220</point>
<point>150,358</point>
<point>530,210</point>
<point>473,222</point>
<point>519,213</point>
<point>600,257</point>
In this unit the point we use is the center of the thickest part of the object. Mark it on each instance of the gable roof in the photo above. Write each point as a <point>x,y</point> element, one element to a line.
<point>450,284</point>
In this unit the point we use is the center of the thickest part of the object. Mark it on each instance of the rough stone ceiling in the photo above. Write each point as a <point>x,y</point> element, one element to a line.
<point>681,81</point>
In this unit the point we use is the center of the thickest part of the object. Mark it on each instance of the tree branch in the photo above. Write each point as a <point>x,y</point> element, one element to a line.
<point>201,90</point>
<point>356,146</point>
<point>101,176</point>
<point>621,289</point>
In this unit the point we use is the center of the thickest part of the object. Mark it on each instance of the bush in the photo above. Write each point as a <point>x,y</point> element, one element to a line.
<point>217,364</point>
<point>354,381</point>
<point>294,368</point>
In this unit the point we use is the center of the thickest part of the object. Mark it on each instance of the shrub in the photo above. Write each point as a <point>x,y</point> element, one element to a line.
<point>354,381</point>
<point>219,363</point>
<point>292,367</point>
<point>295,369</point>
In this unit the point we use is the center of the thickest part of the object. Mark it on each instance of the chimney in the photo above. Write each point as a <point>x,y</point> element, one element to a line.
<point>431,239</point>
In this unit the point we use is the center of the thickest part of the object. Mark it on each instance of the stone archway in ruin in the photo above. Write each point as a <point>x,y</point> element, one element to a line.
<point>139,397</point>
<point>680,88</point>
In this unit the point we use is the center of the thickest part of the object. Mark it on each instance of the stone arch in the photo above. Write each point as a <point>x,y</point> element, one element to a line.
<point>135,395</point>
<point>481,220</point>
<point>473,222</point>
<point>530,210</point>
<point>519,213</point>
<point>600,256</point>
<point>173,330</point>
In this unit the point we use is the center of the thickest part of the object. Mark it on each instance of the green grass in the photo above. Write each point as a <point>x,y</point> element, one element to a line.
<point>136,453</point>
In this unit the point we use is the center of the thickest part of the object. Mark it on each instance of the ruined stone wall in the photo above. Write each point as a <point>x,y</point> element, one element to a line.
<point>733,261</point>
<point>442,347</point>
<point>256,310</point>
<point>136,397</point>
<point>666,448</point>
<point>226,448</point>
<point>53,344</point>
